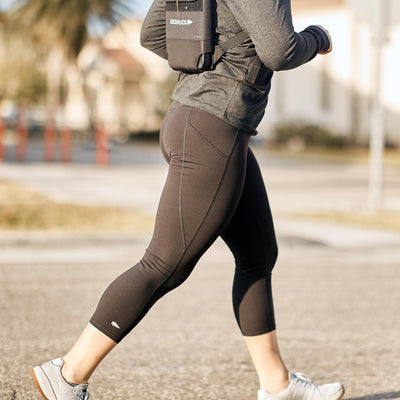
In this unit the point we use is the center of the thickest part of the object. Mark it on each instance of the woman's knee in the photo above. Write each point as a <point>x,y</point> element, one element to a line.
<point>169,276</point>
<point>272,256</point>
<point>261,260</point>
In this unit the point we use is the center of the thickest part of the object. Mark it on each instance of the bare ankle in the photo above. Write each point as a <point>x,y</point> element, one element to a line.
<point>275,385</point>
<point>71,375</point>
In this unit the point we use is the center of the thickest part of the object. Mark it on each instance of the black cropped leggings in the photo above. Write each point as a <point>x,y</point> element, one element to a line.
<point>214,188</point>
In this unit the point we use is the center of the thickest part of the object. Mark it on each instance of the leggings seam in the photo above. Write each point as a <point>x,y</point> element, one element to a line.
<point>201,136</point>
<point>181,180</point>
<point>208,208</point>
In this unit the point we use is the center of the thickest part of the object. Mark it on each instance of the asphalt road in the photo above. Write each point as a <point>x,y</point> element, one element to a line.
<point>337,316</point>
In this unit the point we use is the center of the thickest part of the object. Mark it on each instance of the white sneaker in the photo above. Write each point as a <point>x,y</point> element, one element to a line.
<point>53,386</point>
<point>301,388</point>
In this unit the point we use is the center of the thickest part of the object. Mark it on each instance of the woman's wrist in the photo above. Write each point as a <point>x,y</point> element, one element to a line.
<point>323,38</point>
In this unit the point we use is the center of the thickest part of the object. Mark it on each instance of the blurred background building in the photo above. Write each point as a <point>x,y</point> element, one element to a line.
<point>335,91</point>
<point>128,87</point>
<point>135,92</point>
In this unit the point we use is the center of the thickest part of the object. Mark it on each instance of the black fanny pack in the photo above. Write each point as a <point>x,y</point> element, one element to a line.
<point>191,36</point>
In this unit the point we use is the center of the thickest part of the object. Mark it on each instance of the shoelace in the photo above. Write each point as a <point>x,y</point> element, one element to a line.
<point>81,394</point>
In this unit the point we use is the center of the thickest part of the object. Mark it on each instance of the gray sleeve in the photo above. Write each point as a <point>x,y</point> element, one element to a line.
<point>270,27</point>
<point>152,35</point>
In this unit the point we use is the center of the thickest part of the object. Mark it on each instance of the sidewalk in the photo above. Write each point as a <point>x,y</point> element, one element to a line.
<point>338,236</point>
<point>294,186</point>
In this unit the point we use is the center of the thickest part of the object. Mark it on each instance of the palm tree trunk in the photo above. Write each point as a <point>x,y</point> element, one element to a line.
<point>54,67</point>
<point>76,111</point>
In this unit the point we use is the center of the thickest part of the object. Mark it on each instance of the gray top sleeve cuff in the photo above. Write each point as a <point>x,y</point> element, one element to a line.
<point>322,38</point>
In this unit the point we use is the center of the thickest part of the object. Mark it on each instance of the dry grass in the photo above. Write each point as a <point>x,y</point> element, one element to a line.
<point>23,209</point>
<point>360,155</point>
<point>389,220</point>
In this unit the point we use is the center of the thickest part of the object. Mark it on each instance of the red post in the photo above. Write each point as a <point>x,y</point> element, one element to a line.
<point>1,139</point>
<point>66,145</point>
<point>102,153</point>
<point>50,141</point>
<point>22,137</point>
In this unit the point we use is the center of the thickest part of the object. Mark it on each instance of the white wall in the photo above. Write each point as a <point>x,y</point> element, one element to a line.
<point>296,94</point>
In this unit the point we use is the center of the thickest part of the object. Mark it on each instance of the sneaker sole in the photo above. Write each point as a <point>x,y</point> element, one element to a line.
<point>341,396</point>
<point>38,384</point>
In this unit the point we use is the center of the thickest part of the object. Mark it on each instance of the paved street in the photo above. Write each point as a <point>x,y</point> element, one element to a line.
<point>336,290</point>
<point>337,314</point>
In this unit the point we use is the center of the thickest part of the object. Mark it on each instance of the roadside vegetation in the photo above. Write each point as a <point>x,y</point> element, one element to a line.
<point>24,209</point>
<point>388,220</point>
<point>351,154</point>
<point>316,141</point>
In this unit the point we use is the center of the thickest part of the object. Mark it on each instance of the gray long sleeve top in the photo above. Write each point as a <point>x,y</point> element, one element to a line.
<point>237,89</point>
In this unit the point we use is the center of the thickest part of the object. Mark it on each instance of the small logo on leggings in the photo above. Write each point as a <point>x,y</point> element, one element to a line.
<point>115,325</point>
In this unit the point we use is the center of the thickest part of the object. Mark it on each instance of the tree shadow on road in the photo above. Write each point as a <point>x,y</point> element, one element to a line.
<point>378,396</point>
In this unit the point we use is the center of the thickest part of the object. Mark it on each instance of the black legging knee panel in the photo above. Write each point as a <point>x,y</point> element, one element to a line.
<point>214,187</point>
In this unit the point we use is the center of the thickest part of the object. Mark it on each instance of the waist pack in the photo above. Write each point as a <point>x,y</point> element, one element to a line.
<point>191,36</point>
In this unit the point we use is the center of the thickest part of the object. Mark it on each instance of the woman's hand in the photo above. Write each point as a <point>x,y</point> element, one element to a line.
<point>330,40</point>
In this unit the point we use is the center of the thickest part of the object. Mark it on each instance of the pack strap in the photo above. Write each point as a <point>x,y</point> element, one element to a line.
<point>223,47</point>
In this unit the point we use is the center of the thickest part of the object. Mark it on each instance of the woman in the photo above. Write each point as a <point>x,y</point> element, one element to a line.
<point>214,188</point>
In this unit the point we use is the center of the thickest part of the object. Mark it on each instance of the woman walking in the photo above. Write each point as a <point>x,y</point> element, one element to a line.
<point>214,188</point>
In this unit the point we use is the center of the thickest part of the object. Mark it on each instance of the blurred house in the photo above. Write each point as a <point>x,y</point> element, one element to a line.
<point>125,83</point>
<point>336,90</point>
<point>112,79</point>
<point>117,82</point>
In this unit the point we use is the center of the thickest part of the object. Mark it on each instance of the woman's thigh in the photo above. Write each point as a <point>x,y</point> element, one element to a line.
<point>250,233</point>
<point>207,168</point>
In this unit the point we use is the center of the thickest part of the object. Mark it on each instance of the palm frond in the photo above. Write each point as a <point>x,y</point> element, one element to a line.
<point>68,22</point>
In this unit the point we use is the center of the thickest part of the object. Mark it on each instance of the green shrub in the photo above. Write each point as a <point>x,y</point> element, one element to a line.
<point>303,134</point>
